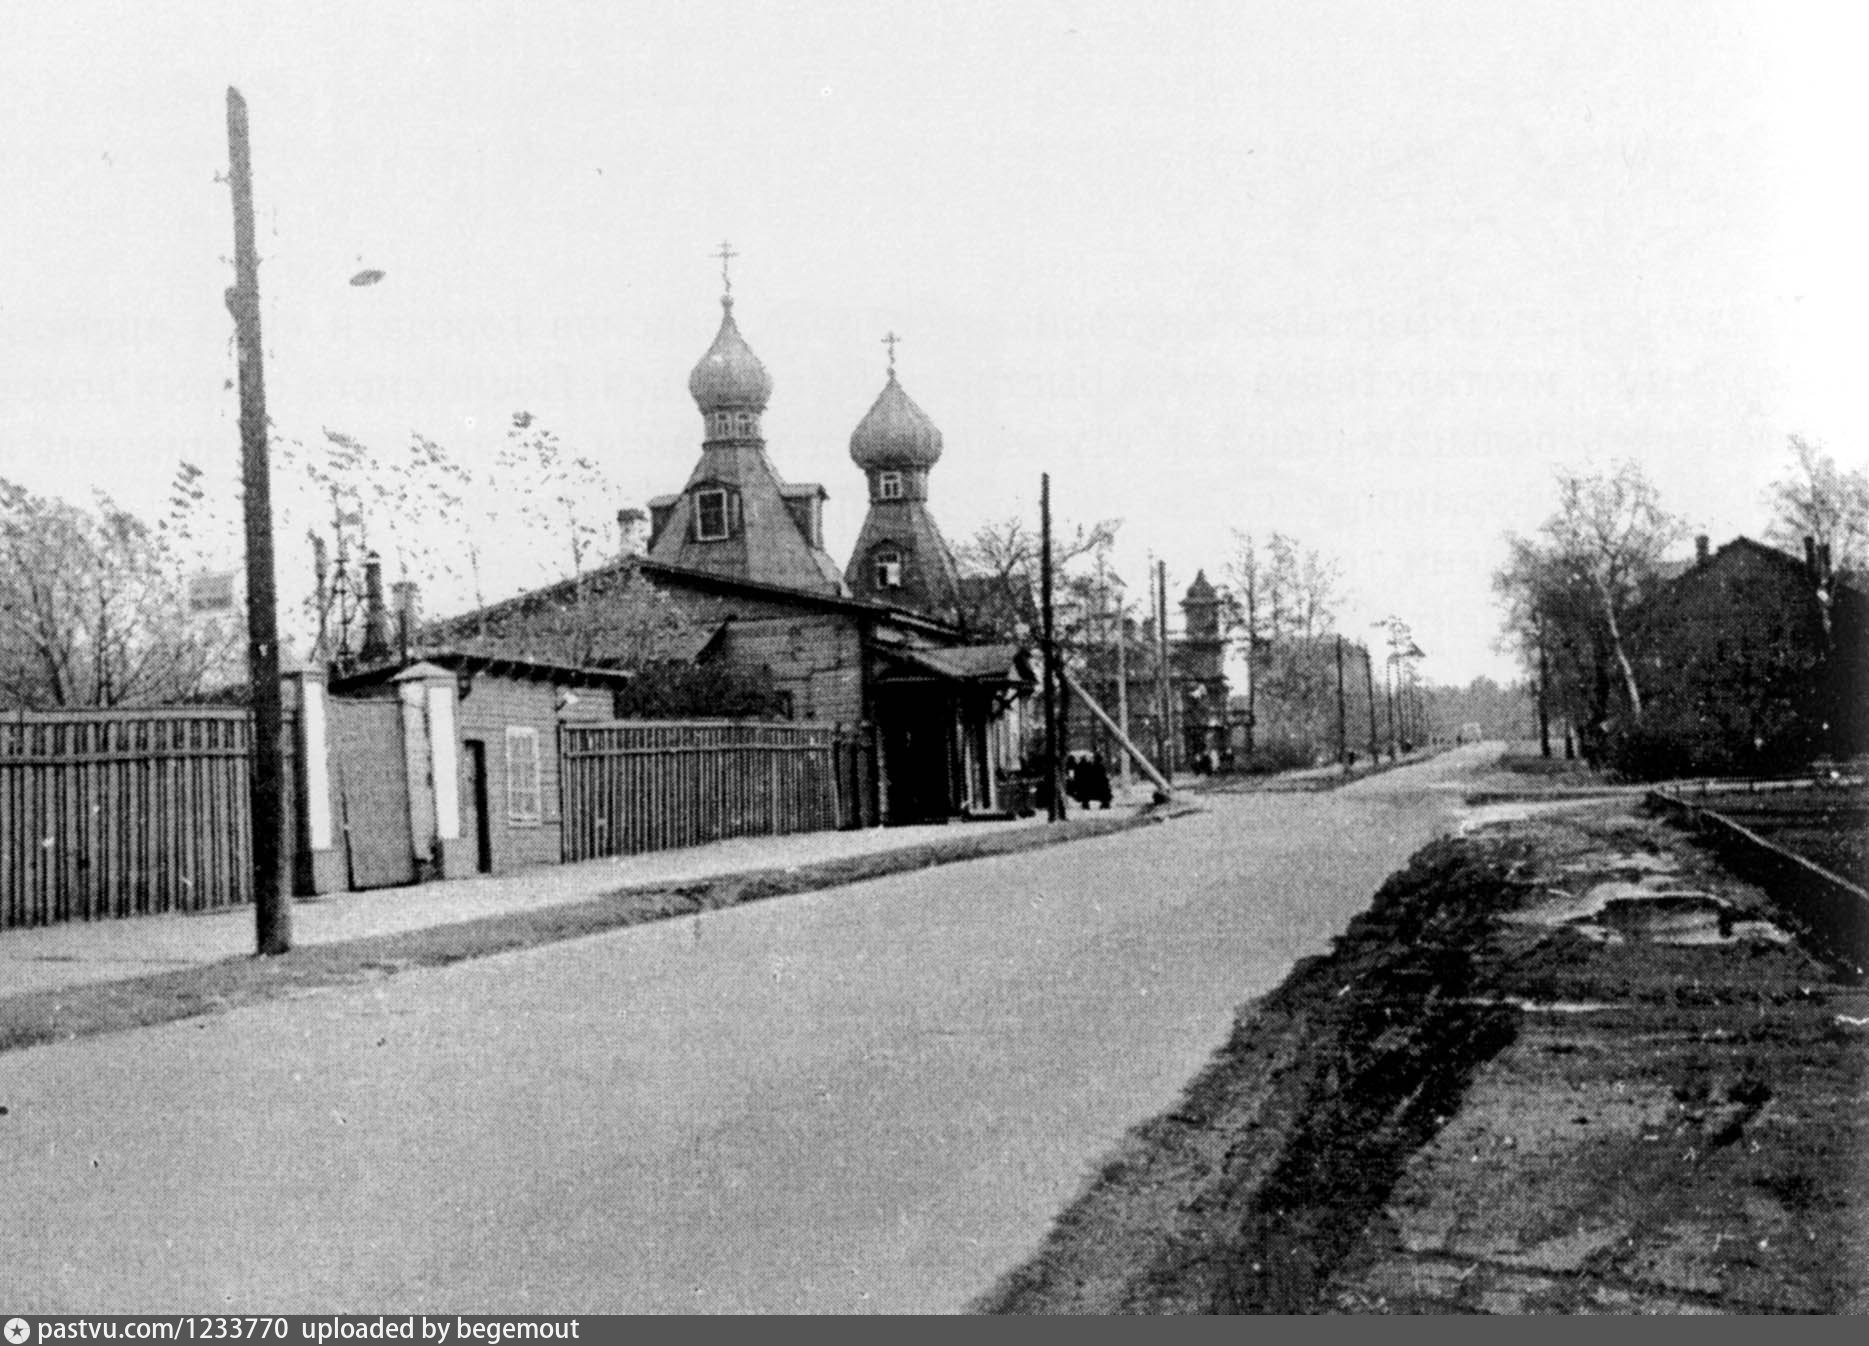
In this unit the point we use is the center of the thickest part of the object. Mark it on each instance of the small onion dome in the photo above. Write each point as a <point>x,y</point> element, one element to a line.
<point>730,376</point>
<point>1201,590</point>
<point>895,432</point>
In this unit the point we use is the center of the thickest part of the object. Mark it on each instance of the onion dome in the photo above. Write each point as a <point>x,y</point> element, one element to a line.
<point>729,377</point>
<point>1201,591</point>
<point>895,433</point>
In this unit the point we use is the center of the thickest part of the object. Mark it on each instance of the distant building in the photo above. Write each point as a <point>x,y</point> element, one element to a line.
<point>1749,659</point>
<point>1198,663</point>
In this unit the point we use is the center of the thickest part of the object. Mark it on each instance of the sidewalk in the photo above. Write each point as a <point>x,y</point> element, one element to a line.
<point>87,953</point>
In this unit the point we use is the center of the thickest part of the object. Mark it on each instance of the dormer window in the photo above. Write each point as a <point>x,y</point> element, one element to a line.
<point>889,569</point>
<point>710,516</point>
<point>888,485</point>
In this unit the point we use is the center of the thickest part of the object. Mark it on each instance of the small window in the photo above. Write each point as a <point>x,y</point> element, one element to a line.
<point>710,516</point>
<point>743,423</point>
<point>524,803</point>
<point>889,569</point>
<point>889,486</point>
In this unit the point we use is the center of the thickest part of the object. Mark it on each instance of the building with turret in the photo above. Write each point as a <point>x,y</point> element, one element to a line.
<point>736,518</point>
<point>900,557</point>
<point>1198,661</point>
<point>735,575</point>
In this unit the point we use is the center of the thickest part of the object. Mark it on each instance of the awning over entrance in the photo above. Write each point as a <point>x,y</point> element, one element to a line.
<point>944,735</point>
<point>983,666</point>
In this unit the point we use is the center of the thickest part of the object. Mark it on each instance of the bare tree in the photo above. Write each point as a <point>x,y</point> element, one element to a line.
<point>999,565</point>
<point>92,609</point>
<point>1610,532</point>
<point>1820,501</point>
<point>1283,601</point>
<point>562,495</point>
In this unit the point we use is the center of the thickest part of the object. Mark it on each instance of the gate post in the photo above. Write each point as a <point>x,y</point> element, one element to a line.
<point>319,861</point>
<point>432,753</point>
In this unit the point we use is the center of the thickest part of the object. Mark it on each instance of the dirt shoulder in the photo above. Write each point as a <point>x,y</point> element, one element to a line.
<point>1565,1064</point>
<point>106,1007</point>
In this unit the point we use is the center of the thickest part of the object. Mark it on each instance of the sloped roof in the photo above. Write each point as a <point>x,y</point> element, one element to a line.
<point>767,544</point>
<point>1000,665</point>
<point>931,581</point>
<point>458,660</point>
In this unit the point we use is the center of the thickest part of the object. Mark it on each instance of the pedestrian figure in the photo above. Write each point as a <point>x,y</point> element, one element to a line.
<point>1090,780</point>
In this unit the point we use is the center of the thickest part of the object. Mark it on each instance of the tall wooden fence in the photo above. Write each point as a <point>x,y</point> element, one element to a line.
<point>123,813</point>
<point>630,786</point>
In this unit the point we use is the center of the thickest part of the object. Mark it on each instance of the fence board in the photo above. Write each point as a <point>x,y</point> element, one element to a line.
<point>630,786</point>
<point>116,813</point>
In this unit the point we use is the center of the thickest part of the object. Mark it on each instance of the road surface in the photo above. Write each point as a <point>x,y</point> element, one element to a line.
<point>872,1098</point>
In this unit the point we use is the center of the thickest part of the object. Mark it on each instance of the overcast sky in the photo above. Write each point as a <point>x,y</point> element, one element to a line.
<point>1362,273</point>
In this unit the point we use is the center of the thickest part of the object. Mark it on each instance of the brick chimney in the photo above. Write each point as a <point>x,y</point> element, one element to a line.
<point>633,524</point>
<point>405,600</point>
<point>1703,548</point>
<point>376,646</point>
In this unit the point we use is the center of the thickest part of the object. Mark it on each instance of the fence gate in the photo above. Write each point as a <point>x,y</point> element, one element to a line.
<point>372,780</point>
<point>631,785</point>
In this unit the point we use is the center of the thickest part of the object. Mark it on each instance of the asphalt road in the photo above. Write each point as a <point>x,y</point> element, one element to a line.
<point>872,1098</point>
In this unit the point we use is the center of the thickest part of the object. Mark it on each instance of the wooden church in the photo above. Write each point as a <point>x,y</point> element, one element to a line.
<point>736,574</point>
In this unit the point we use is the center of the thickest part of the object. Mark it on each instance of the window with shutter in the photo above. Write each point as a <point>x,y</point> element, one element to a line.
<point>524,801</point>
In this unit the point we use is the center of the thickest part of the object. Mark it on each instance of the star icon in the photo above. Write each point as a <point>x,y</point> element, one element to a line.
<point>18,1331</point>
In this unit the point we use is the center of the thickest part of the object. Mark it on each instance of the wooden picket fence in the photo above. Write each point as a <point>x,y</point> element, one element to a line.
<point>123,813</point>
<point>631,786</point>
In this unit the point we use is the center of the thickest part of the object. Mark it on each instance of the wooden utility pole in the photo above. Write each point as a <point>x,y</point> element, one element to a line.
<point>1054,807</point>
<point>1129,749</point>
<point>1544,706</point>
<point>1170,753</point>
<point>1122,685</point>
<point>272,918</point>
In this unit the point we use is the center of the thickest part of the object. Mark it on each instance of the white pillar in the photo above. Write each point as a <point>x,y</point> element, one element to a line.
<point>446,768</point>
<point>313,733</point>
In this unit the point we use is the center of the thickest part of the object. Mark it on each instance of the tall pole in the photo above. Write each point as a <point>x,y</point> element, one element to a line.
<point>1122,685</point>
<point>1544,706</point>
<point>272,918</point>
<point>1170,753</point>
<point>1343,714</point>
<point>1369,682</point>
<point>1054,808</point>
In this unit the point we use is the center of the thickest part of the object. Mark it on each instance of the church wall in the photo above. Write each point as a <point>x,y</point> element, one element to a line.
<point>816,657</point>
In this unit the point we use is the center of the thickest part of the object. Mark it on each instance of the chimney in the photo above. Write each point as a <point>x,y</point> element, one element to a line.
<point>634,526</point>
<point>1823,563</point>
<point>375,647</point>
<point>1702,549</point>
<point>1810,559</point>
<point>406,602</point>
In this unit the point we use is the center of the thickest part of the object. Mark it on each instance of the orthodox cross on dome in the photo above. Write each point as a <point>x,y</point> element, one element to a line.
<point>890,341</point>
<point>726,254</point>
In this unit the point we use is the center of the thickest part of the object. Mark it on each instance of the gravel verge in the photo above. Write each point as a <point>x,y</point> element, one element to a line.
<point>1564,1064</point>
